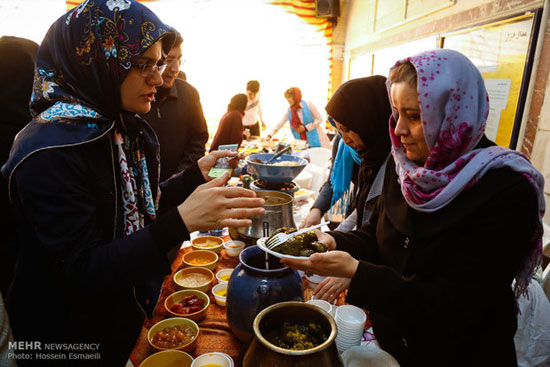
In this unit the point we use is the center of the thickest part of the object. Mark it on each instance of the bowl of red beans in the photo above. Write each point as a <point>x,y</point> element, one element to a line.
<point>178,333</point>
<point>188,303</point>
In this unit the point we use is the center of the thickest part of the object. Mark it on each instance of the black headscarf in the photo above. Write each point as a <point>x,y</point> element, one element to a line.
<point>238,102</point>
<point>362,105</point>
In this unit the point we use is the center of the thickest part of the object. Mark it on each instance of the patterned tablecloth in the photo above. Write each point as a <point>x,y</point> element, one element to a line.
<point>215,334</point>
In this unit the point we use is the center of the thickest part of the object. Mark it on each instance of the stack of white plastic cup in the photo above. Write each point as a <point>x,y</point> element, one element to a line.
<point>351,324</point>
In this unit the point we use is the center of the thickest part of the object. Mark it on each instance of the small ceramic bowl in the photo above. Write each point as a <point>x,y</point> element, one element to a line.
<point>220,293</point>
<point>213,359</point>
<point>201,258</point>
<point>168,358</point>
<point>233,248</point>
<point>170,323</point>
<point>177,297</point>
<point>207,243</point>
<point>182,276</point>
<point>224,275</point>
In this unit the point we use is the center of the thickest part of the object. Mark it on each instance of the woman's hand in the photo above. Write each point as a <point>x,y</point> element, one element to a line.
<point>213,206</point>
<point>327,239</point>
<point>332,263</point>
<point>300,129</point>
<point>208,161</point>
<point>313,218</point>
<point>330,288</point>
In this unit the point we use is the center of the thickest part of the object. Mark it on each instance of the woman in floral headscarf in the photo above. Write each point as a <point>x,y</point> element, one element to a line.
<point>305,120</point>
<point>84,182</point>
<point>459,218</point>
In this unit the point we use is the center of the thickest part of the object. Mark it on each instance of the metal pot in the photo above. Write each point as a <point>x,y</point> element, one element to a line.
<point>262,353</point>
<point>278,213</point>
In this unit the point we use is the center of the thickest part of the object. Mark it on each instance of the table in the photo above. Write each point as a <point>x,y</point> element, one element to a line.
<point>215,333</point>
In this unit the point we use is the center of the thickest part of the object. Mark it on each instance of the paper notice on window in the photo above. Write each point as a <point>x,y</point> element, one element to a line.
<point>498,90</point>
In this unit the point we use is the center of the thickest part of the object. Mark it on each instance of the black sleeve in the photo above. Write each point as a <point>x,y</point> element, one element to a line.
<point>325,197</point>
<point>175,190</point>
<point>361,243</point>
<point>198,130</point>
<point>61,207</point>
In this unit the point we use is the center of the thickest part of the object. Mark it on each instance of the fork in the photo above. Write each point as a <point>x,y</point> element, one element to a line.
<point>281,238</point>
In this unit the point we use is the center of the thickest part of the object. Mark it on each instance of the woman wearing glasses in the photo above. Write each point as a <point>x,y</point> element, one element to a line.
<point>93,223</point>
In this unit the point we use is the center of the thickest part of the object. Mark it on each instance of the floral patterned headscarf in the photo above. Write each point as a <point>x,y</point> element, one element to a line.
<point>454,106</point>
<point>80,66</point>
<point>88,52</point>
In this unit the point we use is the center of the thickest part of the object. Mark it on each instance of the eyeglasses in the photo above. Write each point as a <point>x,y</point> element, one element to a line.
<point>147,70</point>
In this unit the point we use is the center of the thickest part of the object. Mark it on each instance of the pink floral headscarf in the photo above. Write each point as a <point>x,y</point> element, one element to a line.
<point>454,106</point>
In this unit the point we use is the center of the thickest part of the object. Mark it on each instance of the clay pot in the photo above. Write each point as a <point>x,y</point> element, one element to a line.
<point>262,353</point>
<point>252,288</point>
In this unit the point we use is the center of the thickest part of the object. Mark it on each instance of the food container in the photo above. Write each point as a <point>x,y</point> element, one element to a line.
<point>220,293</point>
<point>323,305</point>
<point>182,279</point>
<point>213,359</point>
<point>177,297</point>
<point>233,248</point>
<point>170,323</point>
<point>168,358</point>
<point>273,172</point>
<point>262,353</point>
<point>207,243</point>
<point>201,258</point>
<point>351,324</point>
<point>278,213</point>
<point>224,275</point>
<point>252,288</point>
<point>313,280</point>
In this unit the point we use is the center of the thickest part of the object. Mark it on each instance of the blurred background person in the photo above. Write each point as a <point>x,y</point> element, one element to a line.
<point>305,120</point>
<point>231,129</point>
<point>177,118</point>
<point>253,117</point>
<point>16,75</point>
<point>360,110</point>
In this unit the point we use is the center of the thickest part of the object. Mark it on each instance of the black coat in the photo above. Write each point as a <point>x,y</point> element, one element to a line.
<point>79,278</point>
<point>16,75</point>
<point>438,285</point>
<point>181,128</point>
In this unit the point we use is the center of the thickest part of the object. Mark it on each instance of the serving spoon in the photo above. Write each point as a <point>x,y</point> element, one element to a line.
<point>277,155</point>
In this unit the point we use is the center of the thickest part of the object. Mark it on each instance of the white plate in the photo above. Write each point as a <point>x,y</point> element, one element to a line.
<point>261,244</point>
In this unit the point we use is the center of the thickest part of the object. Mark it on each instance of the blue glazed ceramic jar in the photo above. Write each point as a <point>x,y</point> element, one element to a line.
<point>252,288</point>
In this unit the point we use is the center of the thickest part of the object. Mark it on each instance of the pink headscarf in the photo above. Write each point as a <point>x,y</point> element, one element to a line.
<point>454,106</point>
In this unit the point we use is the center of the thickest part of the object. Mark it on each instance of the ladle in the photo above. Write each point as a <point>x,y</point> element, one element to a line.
<point>277,155</point>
